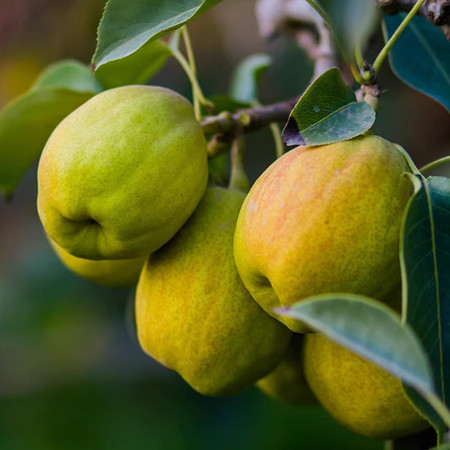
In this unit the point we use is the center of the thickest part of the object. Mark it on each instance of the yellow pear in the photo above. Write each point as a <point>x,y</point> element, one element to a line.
<point>323,219</point>
<point>120,175</point>
<point>193,313</point>
<point>287,382</point>
<point>112,273</point>
<point>358,394</point>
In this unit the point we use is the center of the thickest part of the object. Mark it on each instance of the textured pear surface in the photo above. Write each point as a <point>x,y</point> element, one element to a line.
<point>120,175</point>
<point>357,393</point>
<point>323,219</point>
<point>193,313</point>
<point>112,273</point>
<point>287,382</point>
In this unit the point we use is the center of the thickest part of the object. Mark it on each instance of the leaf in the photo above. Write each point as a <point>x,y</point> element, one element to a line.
<point>244,87</point>
<point>353,22</point>
<point>425,259</point>
<point>420,57</point>
<point>225,103</point>
<point>126,26</point>
<point>327,112</point>
<point>69,74</point>
<point>138,68</point>
<point>27,122</point>
<point>370,329</point>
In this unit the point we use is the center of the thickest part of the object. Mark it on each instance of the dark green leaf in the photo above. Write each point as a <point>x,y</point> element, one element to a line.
<point>27,122</point>
<point>420,57</point>
<point>353,21</point>
<point>327,112</point>
<point>68,74</point>
<point>426,272</point>
<point>127,26</point>
<point>138,68</point>
<point>225,103</point>
<point>370,329</point>
<point>244,86</point>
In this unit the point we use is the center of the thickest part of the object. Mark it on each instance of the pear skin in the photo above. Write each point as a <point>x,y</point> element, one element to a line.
<point>323,219</point>
<point>120,175</point>
<point>193,313</point>
<point>358,394</point>
<point>287,382</point>
<point>115,273</point>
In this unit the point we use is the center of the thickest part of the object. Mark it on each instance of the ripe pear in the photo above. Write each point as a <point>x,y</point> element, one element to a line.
<point>193,313</point>
<point>120,175</point>
<point>358,394</point>
<point>323,219</point>
<point>287,382</point>
<point>112,273</point>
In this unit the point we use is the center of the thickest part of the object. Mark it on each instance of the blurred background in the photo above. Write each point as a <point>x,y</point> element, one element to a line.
<point>72,375</point>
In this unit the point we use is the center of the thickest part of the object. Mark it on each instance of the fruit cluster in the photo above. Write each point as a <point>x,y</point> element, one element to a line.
<point>123,196</point>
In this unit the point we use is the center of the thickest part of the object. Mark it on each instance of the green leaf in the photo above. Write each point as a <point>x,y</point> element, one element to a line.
<point>353,22</point>
<point>138,68</point>
<point>69,74</point>
<point>126,26</point>
<point>225,103</point>
<point>420,57</point>
<point>244,86</point>
<point>27,122</point>
<point>425,269</point>
<point>370,329</point>
<point>327,112</point>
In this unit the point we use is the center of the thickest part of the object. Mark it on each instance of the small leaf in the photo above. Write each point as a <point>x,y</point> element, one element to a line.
<point>370,329</point>
<point>138,68</point>
<point>425,270</point>
<point>327,112</point>
<point>420,57</point>
<point>126,26</point>
<point>69,74</point>
<point>244,87</point>
<point>225,103</point>
<point>27,122</point>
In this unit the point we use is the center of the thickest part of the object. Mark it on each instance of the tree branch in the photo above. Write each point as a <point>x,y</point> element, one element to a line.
<point>436,11</point>
<point>247,120</point>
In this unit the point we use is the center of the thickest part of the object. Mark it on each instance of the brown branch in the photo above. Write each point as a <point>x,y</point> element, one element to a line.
<point>436,11</point>
<point>247,120</point>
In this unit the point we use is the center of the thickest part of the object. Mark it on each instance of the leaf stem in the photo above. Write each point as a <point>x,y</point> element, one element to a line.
<point>433,164</point>
<point>193,67</point>
<point>196,89</point>
<point>438,406</point>
<point>389,44</point>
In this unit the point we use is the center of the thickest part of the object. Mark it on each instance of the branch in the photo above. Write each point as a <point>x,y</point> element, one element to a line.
<point>436,11</point>
<point>247,120</point>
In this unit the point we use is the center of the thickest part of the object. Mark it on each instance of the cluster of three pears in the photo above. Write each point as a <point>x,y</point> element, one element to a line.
<point>118,179</point>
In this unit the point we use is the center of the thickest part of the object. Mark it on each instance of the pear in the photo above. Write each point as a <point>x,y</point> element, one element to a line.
<point>193,313</point>
<point>115,273</point>
<point>120,175</point>
<point>323,219</point>
<point>287,382</point>
<point>358,394</point>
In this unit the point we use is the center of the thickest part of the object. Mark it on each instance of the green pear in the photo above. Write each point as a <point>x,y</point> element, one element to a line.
<point>193,313</point>
<point>112,273</point>
<point>120,175</point>
<point>358,394</point>
<point>323,219</point>
<point>287,382</point>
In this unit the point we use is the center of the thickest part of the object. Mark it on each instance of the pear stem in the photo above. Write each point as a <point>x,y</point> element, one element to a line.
<point>238,179</point>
